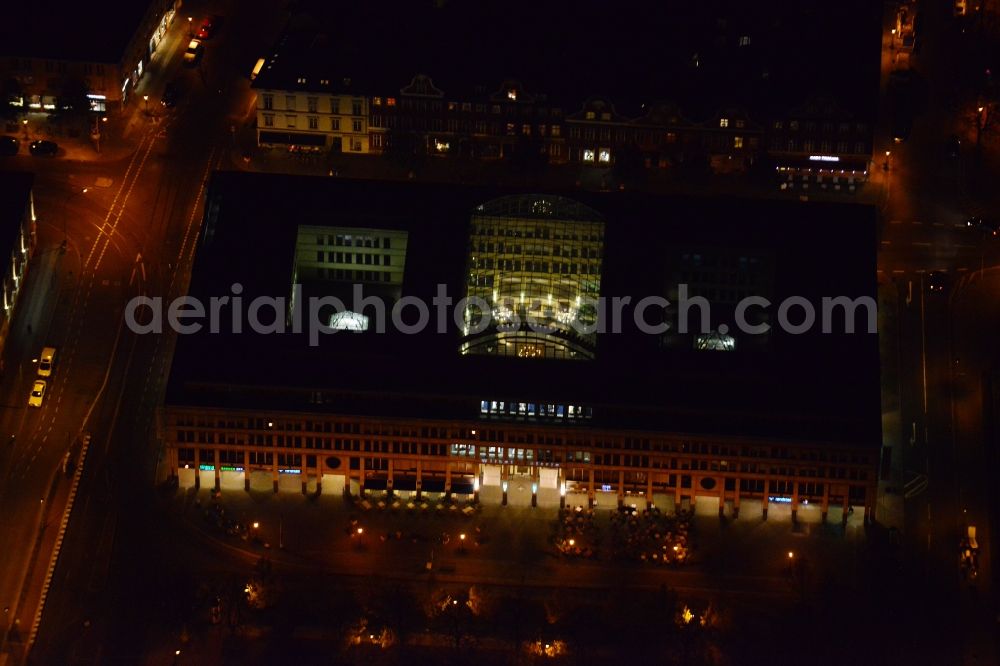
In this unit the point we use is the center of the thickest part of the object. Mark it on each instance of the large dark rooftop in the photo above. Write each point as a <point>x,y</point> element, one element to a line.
<point>75,31</point>
<point>811,386</point>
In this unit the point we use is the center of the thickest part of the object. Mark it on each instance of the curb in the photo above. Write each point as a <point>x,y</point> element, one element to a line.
<point>58,545</point>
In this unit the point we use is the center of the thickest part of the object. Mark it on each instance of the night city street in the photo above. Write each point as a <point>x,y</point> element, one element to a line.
<point>673,339</point>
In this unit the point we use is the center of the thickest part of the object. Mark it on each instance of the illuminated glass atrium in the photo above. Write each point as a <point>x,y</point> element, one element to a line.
<point>534,277</point>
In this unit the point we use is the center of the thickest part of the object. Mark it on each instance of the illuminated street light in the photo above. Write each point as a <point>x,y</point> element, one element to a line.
<point>791,555</point>
<point>256,524</point>
<point>572,542</point>
<point>361,531</point>
<point>145,101</point>
<point>462,536</point>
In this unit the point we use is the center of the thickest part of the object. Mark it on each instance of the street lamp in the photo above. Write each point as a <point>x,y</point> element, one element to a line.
<point>885,165</point>
<point>190,28</point>
<point>24,124</point>
<point>791,555</point>
<point>145,101</point>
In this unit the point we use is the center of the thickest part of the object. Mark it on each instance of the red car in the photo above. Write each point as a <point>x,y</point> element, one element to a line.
<point>207,29</point>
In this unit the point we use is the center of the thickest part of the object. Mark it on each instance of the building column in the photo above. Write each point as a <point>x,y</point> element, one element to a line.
<point>361,478</point>
<point>420,473</point>
<point>447,481</point>
<point>677,494</point>
<point>621,488</point>
<point>478,483</point>
<point>590,488</point>
<point>197,468</point>
<point>319,474</point>
<point>795,501</point>
<point>560,481</point>
<point>722,499</point>
<point>825,506</point>
<point>869,505</point>
<point>504,483</point>
<point>304,473</point>
<point>694,493</point>
<point>764,499</point>
<point>846,504</point>
<point>736,499</point>
<point>535,479</point>
<point>246,470</point>
<point>218,472</point>
<point>649,490</point>
<point>274,471</point>
<point>172,462</point>
<point>388,480</point>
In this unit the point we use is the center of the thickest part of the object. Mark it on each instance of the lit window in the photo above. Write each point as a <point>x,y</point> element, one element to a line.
<point>590,115</point>
<point>604,156</point>
<point>737,142</point>
<point>512,95</point>
<point>441,147</point>
<point>349,321</point>
<point>390,101</point>
<point>745,40</point>
<point>723,122</point>
<point>377,101</point>
<point>588,156</point>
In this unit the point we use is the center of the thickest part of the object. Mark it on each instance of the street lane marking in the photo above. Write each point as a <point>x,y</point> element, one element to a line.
<point>963,268</point>
<point>895,221</point>
<point>886,242</point>
<point>922,243</point>
<point>898,271</point>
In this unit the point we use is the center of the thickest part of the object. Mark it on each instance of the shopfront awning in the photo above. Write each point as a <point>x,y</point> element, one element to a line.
<point>293,138</point>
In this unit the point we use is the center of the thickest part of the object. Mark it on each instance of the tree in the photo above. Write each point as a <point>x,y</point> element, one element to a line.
<point>11,89</point>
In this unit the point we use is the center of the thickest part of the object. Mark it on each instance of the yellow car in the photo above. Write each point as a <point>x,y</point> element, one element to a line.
<point>37,394</point>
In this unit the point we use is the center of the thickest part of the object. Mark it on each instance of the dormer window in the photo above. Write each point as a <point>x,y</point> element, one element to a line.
<point>302,79</point>
<point>512,95</point>
<point>723,122</point>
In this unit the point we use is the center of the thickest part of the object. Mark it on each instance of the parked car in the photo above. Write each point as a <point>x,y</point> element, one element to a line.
<point>44,148</point>
<point>171,94</point>
<point>986,227</point>
<point>193,53</point>
<point>37,393</point>
<point>9,145</point>
<point>207,29</point>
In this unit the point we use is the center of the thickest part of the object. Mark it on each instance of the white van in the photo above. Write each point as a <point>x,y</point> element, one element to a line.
<point>46,361</point>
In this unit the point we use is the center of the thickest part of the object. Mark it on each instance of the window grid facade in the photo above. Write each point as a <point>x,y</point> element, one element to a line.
<point>538,260</point>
